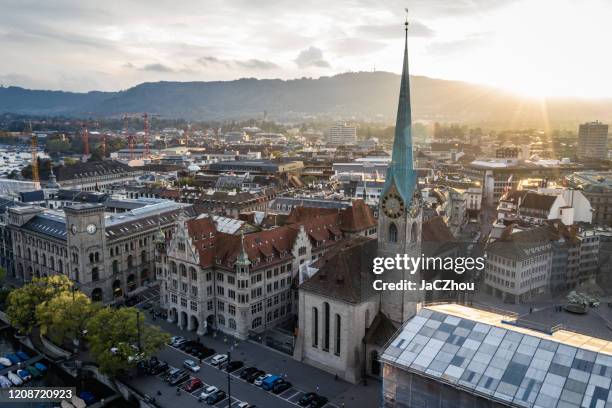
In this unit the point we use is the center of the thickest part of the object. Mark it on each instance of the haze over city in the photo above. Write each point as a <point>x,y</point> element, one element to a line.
<point>537,48</point>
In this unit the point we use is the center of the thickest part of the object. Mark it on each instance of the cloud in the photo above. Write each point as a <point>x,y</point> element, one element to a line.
<point>311,57</point>
<point>416,29</point>
<point>254,63</point>
<point>355,46</point>
<point>208,61</point>
<point>156,67</point>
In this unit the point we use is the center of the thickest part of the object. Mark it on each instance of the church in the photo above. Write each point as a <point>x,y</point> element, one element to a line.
<point>344,323</point>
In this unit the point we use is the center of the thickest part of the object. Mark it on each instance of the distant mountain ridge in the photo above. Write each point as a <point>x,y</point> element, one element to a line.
<point>363,95</point>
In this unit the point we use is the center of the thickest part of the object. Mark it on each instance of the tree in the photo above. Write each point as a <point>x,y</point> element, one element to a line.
<point>64,317</point>
<point>113,339</point>
<point>22,302</point>
<point>2,273</point>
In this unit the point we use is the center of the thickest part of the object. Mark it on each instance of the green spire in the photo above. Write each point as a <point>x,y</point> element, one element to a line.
<point>401,171</point>
<point>243,257</point>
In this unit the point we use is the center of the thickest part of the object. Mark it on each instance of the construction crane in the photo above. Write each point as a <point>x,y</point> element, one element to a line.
<point>85,136</point>
<point>130,137</point>
<point>35,175</point>
<point>145,137</point>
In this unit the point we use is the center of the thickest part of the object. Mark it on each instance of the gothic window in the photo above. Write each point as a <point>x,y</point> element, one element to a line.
<point>326,326</point>
<point>91,258</point>
<point>115,266</point>
<point>130,261</point>
<point>183,270</point>
<point>52,263</point>
<point>97,257</point>
<point>94,274</point>
<point>60,266</point>
<point>338,328</point>
<point>392,233</point>
<point>143,257</point>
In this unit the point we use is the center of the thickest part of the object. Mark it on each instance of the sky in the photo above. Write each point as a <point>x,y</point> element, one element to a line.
<point>533,47</point>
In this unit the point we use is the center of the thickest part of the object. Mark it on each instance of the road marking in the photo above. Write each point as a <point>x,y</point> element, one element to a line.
<point>207,362</point>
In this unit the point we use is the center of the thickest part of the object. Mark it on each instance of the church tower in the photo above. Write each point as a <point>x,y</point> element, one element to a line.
<point>400,217</point>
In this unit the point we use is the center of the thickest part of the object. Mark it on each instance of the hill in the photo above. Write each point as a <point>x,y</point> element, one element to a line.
<point>363,95</point>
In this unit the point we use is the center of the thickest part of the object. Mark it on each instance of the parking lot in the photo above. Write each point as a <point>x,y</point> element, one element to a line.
<point>304,378</point>
<point>291,395</point>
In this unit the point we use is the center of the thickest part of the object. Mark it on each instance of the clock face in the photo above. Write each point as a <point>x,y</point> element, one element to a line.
<point>393,205</point>
<point>91,229</point>
<point>73,229</point>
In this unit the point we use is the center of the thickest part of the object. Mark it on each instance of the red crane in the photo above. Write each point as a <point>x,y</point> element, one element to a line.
<point>130,137</point>
<point>145,137</point>
<point>34,141</point>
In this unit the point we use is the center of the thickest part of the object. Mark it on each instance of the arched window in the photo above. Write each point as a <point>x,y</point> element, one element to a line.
<point>29,254</point>
<point>130,261</point>
<point>338,334</point>
<point>115,266</point>
<point>91,258</point>
<point>44,260</point>
<point>392,233</point>
<point>143,256</point>
<point>315,327</point>
<point>326,326</point>
<point>95,274</point>
<point>183,270</point>
<point>52,263</point>
<point>60,266</point>
<point>193,273</point>
<point>97,257</point>
<point>19,251</point>
<point>414,232</point>
<point>172,267</point>
<point>232,323</point>
<point>35,256</point>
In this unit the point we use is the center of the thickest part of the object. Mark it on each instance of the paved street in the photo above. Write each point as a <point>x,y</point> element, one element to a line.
<point>303,377</point>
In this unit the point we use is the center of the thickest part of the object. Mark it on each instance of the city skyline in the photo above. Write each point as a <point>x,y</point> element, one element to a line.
<point>534,48</point>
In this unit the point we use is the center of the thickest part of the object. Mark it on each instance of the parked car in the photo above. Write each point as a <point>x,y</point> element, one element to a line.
<point>233,366</point>
<point>245,405</point>
<point>318,402</point>
<point>191,365</point>
<point>208,391</point>
<point>178,377</point>
<point>247,371</point>
<point>269,383</point>
<point>218,359</point>
<point>259,380</point>
<point>171,372</point>
<point>281,386</point>
<point>193,384</point>
<point>176,340</point>
<point>161,368</point>
<point>253,376</point>
<point>216,397</point>
<point>307,399</point>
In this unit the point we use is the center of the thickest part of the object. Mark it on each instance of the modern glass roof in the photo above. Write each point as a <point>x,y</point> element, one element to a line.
<point>515,367</point>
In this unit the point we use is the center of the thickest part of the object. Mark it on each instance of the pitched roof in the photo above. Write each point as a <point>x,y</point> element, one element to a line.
<point>357,217</point>
<point>436,237</point>
<point>92,169</point>
<point>345,274</point>
<point>263,248</point>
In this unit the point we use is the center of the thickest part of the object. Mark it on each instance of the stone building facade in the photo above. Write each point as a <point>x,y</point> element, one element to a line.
<point>246,284</point>
<point>107,256</point>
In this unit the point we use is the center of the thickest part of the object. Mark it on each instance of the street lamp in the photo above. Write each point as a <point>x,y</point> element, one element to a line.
<point>229,392</point>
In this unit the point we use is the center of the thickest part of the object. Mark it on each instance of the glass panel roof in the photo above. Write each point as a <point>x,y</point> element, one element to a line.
<point>515,367</point>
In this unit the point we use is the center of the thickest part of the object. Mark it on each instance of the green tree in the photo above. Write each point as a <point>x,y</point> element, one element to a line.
<point>2,273</point>
<point>112,335</point>
<point>22,302</point>
<point>64,317</point>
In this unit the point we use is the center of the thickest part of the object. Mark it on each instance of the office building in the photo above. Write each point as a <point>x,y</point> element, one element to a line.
<point>342,134</point>
<point>593,141</point>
